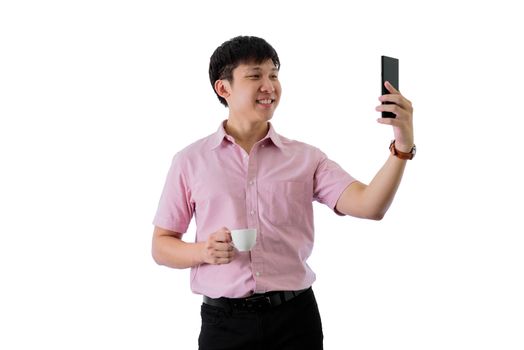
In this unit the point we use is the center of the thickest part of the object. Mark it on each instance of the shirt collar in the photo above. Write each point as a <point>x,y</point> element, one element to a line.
<point>221,134</point>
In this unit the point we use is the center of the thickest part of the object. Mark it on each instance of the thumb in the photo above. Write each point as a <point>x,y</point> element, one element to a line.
<point>223,235</point>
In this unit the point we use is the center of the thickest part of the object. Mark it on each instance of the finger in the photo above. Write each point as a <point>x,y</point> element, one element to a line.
<point>221,254</point>
<point>398,122</point>
<point>393,108</point>
<point>225,258</point>
<point>389,121</point>
<point>391,88</point>
<point>222,235</point>
<point>218,261</point>
<point>393,98</point>
<point>396,99</point>
<point>224,247</point>
<point>224,230</point>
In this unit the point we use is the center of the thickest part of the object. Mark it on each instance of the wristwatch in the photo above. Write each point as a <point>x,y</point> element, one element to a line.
<point>402,155</point>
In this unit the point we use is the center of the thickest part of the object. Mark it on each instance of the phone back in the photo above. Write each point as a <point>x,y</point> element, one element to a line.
<point>389,73</point>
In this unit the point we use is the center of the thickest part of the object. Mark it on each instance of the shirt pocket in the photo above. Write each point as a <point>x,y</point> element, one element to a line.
<point>288,202</point>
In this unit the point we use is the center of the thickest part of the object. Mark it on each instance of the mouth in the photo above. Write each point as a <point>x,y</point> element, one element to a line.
<point>266,101</point>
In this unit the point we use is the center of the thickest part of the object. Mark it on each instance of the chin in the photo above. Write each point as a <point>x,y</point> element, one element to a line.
<point>266,115</point>
<point>266,118</point>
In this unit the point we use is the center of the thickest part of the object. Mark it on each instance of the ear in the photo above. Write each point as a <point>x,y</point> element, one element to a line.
<point>223,88</point>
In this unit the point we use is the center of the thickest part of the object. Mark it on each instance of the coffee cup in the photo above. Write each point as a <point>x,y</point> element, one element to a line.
<point>244,239</point>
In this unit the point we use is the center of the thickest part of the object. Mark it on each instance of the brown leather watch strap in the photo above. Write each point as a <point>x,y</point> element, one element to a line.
<point>402,155</point>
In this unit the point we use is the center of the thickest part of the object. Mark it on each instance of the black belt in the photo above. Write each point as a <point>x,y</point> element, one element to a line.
<point>255,302</point>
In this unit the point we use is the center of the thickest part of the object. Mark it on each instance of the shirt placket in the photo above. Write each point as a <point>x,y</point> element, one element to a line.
<point>257,263</point>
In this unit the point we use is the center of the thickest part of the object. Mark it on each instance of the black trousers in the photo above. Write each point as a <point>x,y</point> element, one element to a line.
<point>293,325</point>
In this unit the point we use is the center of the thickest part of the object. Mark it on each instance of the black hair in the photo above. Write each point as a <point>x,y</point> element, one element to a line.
<point>232,53</point>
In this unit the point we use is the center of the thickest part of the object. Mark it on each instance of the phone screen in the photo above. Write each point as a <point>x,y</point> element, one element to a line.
<point>389,73</point>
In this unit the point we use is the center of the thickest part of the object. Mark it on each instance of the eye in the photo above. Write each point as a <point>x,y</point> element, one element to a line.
<point>253,76</point>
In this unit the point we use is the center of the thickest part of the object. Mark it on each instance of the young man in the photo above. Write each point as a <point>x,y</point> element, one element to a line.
<point>246,175</point>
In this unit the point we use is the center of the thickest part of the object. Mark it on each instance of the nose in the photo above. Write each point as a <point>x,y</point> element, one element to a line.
<point>267,85</point>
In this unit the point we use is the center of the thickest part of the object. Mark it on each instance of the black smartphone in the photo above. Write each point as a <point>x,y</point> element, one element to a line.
<point>389,73</point>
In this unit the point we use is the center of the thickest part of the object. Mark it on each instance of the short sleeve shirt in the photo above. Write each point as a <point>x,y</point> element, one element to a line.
<point>271,189</point>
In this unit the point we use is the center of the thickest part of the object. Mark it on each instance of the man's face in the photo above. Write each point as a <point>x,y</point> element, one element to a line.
<point>254,92</point>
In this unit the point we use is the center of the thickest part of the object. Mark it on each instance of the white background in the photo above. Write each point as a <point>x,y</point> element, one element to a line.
<point>97,96</point>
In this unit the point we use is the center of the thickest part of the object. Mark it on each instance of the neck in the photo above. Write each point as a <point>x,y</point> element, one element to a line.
<point>246,133</point>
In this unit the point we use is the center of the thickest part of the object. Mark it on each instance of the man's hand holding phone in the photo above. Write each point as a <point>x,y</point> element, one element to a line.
<point>396,110</point>
<point>402,124</point>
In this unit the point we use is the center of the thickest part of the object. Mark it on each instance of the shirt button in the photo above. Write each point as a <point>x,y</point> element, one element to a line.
<point>251,182</point>
<point>257,274</point>
<point>252,212</point>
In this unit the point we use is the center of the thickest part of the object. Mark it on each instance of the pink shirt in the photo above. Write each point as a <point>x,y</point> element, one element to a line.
<point>270,189</point>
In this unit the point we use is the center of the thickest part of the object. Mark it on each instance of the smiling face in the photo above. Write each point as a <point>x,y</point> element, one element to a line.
<point>254,92</point>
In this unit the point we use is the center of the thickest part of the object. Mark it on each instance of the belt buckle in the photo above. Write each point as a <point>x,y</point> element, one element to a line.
<point>258,302</point>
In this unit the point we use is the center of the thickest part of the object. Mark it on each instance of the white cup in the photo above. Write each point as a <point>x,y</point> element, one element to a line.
<point>244,239</point>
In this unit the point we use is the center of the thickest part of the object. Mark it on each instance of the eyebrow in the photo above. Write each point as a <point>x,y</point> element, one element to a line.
<point>274,69</point>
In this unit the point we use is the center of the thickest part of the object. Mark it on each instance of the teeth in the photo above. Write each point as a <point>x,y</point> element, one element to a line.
<point>266,102</point>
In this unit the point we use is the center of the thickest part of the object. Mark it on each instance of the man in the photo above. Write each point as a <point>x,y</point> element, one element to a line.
<point>247,176</point>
